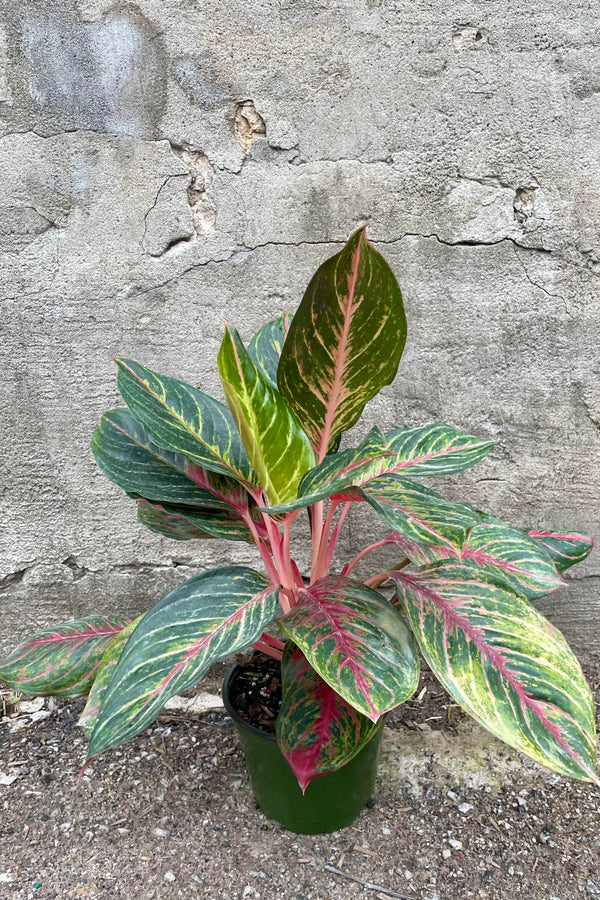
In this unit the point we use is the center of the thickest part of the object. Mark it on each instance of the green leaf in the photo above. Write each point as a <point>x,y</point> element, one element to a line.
<point>169,524</point>
<point>564,549</point>
<point>265,347</point>
<point>357,642</point>
<point>505,664</point>
<point>104,673</point>
<point>345,342</point>
<point>128,457</point>
<point>418,513</point>
<point>509,556</point>
<point>436,449</point>
<point>317,731</point>
<point>61,660</point>
<point>215,523</point>
<point>277,446</point>
<point>206,618</point>
<point>182,419</point>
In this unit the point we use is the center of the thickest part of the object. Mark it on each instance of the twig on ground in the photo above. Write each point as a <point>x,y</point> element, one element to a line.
<point>368,884</point>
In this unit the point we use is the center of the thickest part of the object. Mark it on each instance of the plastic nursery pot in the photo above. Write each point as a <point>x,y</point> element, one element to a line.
<point>330,802</point>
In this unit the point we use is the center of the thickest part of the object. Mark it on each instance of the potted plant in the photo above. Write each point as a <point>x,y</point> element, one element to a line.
<point>462,585</point>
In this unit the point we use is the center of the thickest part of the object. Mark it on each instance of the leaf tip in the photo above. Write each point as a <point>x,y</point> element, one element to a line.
<point>87,763</point>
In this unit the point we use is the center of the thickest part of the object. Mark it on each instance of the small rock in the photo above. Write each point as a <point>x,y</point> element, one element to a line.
<point>7,779</point>
<point>452,796</point>
<point>465,807</point>
<point>456,845</point>
<point>160,832</point>
<point>6,877</point>
<point>64,827</point>
<point>169,876</point>
<point>446,854</point>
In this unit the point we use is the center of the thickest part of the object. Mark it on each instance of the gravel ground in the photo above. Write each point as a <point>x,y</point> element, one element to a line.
<point>455,814</point>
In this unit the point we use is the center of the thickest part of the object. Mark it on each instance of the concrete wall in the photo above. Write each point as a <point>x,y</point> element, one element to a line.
<point>166,164</point>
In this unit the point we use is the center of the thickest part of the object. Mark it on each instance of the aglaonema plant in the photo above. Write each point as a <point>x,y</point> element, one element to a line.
<point>462,584</point>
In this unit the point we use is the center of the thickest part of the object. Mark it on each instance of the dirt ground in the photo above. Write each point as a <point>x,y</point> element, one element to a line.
<point>455,815</point>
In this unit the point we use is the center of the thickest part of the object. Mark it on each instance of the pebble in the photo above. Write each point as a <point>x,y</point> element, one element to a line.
<point>465,807</point>
<point>456,845</point>
<point>446,854</point>
<point>160,832</point>
<point>169,876</point>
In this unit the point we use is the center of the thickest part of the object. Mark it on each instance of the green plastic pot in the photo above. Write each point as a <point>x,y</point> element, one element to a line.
<point>330,802</point>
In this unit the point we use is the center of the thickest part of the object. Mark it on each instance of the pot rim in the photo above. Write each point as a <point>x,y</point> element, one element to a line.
<point>233,714</point>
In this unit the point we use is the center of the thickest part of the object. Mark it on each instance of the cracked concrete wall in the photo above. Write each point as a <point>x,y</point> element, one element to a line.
<point>163,165</point>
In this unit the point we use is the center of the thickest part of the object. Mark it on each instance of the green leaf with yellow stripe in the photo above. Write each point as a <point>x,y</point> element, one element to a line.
<point>436,449</point>
<point>317,731</point>
<point>104,673</point>
<point>511,557</point>
<point>357,642</point>
<point>182,419</point>
<point>126,455</point>
<point>565,549</point>
<point>344,343</point>
<point>61,660</point>
<point>277,447</point>
<point>265,347</point>
<point>503,662</point>
<point>419,513</point>
<point>206,618</point>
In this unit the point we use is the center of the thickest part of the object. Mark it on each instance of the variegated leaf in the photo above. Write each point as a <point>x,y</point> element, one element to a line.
<point>436,449</point>
<point>61,661</point>
<point>204,619</point>
<point>127,456</point>
<point>190,522</point>
<point>104,673</point>
<point>510,556</point>
<point>564,549</point>
<point>317,731</point>
<point>419,513</point>
<point>183,419</point>
<point>171,525</point>
<point>357,642</point>
<point>345,342</point>
<point>265,347</point>
<point>278,448</point>
<point>505,664</point>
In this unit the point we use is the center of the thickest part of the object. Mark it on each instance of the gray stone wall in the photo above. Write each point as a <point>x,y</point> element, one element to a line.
<point>166,164</point>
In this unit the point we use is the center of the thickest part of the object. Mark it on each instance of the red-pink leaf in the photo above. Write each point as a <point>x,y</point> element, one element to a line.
<point>317,731</point>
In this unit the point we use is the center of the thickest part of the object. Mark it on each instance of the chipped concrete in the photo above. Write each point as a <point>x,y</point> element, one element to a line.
<point>164,167</point>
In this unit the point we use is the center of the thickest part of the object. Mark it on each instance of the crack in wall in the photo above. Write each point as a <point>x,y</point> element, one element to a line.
<point>13,579</point>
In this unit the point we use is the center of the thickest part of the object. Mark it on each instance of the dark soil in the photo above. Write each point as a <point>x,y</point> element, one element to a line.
<point>255,692</point>
<point>171,815</point>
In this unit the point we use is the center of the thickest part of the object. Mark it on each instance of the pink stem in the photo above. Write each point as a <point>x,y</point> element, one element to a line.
<point>266,648</point>
<point>349,566</point>
<point>269,639</point>
<point>316,523</point>
<point>376,580</point>
<point>297,575</point>
<point>262,546</point>
<point>336,533</point>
